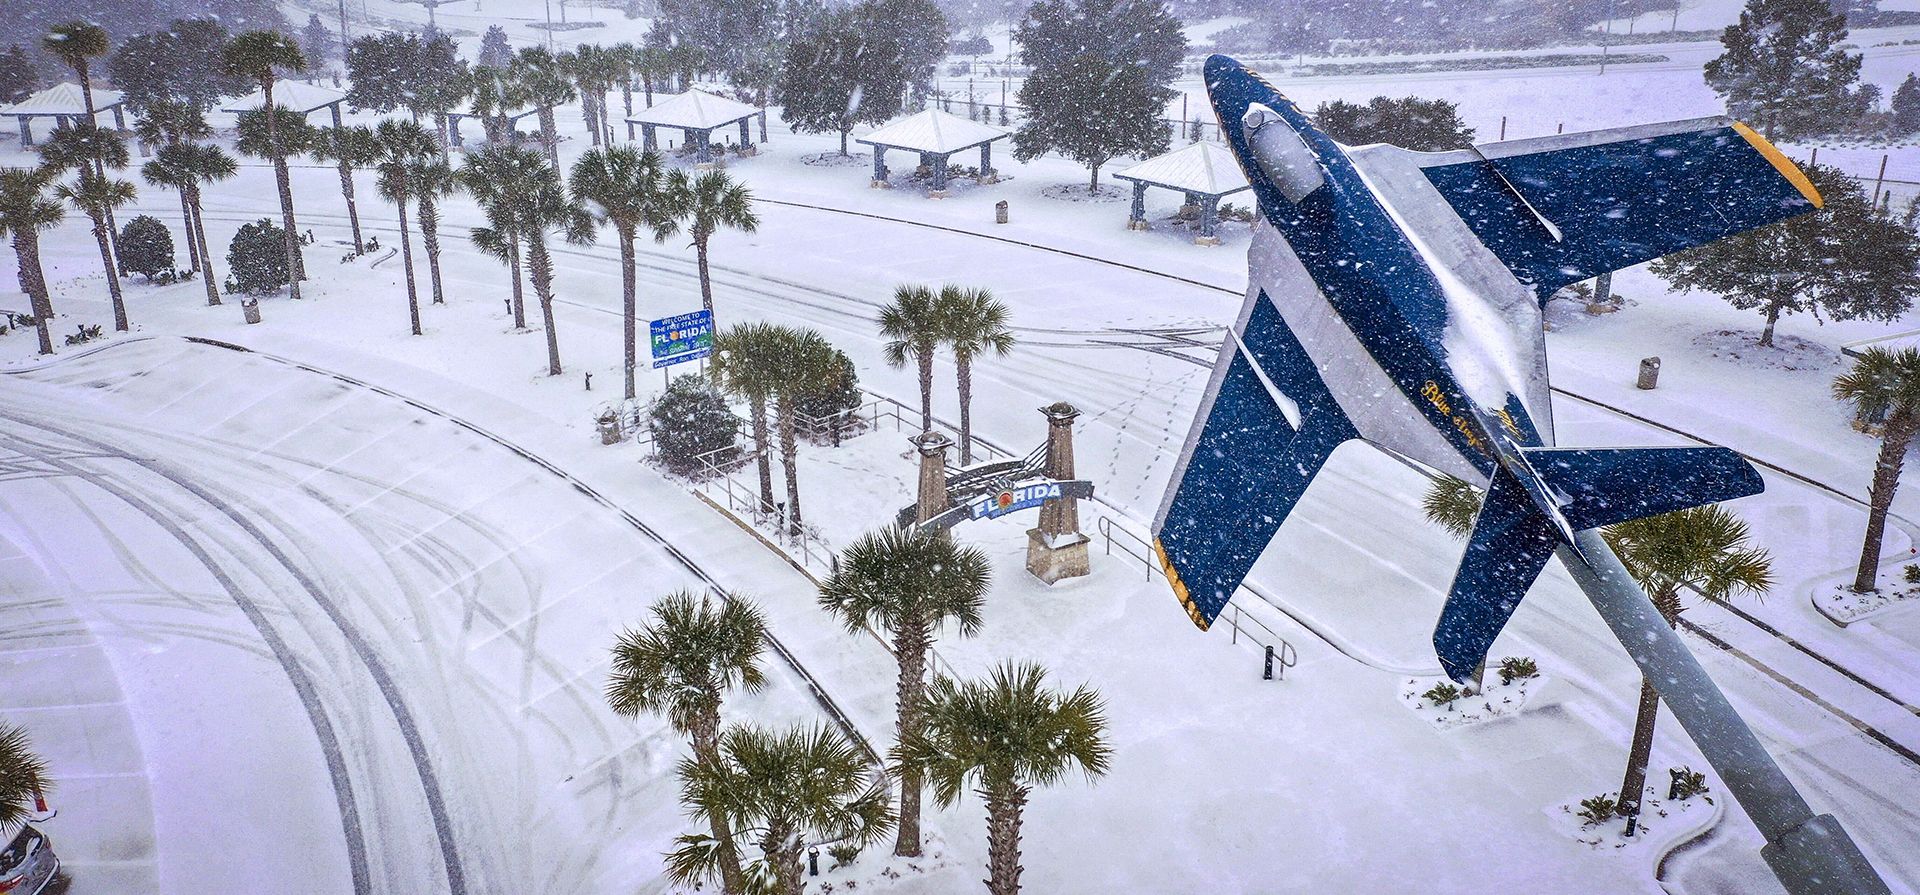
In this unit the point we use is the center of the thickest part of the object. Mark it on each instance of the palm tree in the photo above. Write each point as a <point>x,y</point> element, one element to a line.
<point>708,203</point>
<point>433,180</point>
<point>1451,503</point>
<point>745,363</point>
<point>498,176</point>
<point>626,59</point>
<point>350,148</point>
<point>77,44</point>
<point>1704,549</point>
<point>910,582</point>
<point>545,209</point>
<point>804,367</point>
<point>494,95</point>
<point>593,69</point>
<point>624,187</point>
<point>913,327</point>
<point>975,324</point>
<point>404,146</point>
<point>169,124</point>
<point>682,666</point>
<point>779,790</point>
<point>255,55</point>
<point>1883,384</point>
<point>185,166</point>
<point>23,778</point>
<point>1002,737</point>
<point>25,210</point>
<point>89,151</point>
<point>541,80</point>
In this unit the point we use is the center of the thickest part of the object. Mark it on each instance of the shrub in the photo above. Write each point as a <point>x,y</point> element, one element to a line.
<point>843,854</point>
<point>1598,809</point>
<point>689,419</point>
<point>146,247</point>
<point>1442,695</point>
<point>1687,783</point>
<point>1513,668</point>
<point>1912,573</point>
<point>257,258</point>
<point>828,404</point>
<point>87,333</point>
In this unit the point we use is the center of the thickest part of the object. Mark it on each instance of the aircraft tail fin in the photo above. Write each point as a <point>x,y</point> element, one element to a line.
<point>1534,504</point>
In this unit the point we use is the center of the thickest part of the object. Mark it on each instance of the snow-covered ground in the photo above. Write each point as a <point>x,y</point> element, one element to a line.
<point>370,533</point>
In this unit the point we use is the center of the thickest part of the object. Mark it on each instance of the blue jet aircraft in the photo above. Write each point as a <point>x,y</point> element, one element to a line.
<point>1396,296</point>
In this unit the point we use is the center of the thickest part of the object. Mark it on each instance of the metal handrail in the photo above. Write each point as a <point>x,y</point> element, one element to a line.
<point>1238,621</point>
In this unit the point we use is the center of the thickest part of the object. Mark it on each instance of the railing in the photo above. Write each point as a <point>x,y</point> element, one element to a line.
<point>1241,624</point>
<point>718,482</point>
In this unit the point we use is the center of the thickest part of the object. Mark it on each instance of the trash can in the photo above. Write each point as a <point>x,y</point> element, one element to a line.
<point>1000,212</point>
<point>1649,372</point>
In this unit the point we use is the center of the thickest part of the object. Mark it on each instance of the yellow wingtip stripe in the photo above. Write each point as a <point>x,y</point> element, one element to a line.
<point>1179,587</point>
<point>1781,163</point>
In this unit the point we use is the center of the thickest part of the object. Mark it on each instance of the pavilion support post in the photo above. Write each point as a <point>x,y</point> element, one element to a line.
<point>987,174</point>
<point>763,125</point>
<point>746,136</point>
<point>26,131</point>
<point>1057,549</point>
<point>939,190</point>
<point>1137,218</point>
<point>880,168</point>
<point>702,146</point>
<point>648,139</point>
<point>630,137</point>
<point>1209,210</point>
<point>453,130</point>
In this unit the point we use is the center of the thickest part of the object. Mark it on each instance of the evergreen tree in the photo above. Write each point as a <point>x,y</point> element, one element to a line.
<point>257,258</point>
<point>146,246</point>
<point>1847,261</point>
<point>1101,70</point>
<point>382,70</point>
<point>1410,123</point>
<point>18,77</point>
<point>1785,68</point>
<point>316,42</point>
<point>834,80</point>
<point>180,64</point>
<point>495,52</point>
<point>909,583</point>
<point>1906,107</point>
<point>913,32</point>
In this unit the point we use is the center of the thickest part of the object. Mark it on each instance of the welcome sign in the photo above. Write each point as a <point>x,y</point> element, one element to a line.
<point>1012,500</point>
<point>681,338</point>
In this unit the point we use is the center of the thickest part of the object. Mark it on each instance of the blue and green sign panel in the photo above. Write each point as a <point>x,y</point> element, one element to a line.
<point>682,338</point>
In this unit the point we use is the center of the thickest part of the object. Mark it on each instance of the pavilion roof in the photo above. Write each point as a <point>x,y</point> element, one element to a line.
<point>1202,168</point>
<point>933,131</point>
<point>63,99</point>
<point>298,96</point>
<point>694,110</point>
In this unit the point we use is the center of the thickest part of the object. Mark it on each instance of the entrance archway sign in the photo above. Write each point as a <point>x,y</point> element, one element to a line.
<point>1012,498</point>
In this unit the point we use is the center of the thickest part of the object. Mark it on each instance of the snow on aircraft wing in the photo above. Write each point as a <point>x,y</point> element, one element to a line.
<point>1616,197</point>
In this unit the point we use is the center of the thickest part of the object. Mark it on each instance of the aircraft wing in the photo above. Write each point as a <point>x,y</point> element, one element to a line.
<point>1565,208</point>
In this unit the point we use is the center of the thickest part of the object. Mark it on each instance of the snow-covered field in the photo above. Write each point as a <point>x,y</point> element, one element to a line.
<point>263,619</point>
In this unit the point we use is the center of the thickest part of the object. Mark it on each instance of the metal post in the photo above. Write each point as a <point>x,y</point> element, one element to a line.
<point>1809,854</point>
<point>1503,128</point>
<point>1267,675</point>
<point>1880,179</point>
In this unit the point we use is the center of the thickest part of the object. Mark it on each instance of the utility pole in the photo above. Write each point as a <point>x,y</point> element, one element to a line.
<point>345,37</point>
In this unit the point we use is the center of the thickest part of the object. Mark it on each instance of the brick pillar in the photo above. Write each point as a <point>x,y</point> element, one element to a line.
<point>932,500</point>
<point>1056,549</point>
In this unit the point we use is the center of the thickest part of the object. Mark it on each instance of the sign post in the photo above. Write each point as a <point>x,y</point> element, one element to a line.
<point>680,338</point>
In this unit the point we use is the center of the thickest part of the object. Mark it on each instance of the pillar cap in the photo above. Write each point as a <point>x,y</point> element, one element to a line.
<point>1060,412</point>
<point>930,443</point>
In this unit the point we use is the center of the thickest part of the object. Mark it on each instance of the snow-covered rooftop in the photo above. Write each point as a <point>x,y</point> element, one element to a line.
<point>933,131</point>
<point>1204,168</point>
<point>694,110</point>
<point>62,99</point>
<point>296,95</point>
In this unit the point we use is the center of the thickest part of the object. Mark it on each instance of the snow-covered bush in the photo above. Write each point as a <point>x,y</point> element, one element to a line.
<point>1513,668</point>
<point>1442,695</point>
<point>843,854</point>
<point>257,258</point>
<point>689,419</point>
<point>1598,809</point>
<point>146,246</point>
<point>828,407</point>
<point>1687,783</point>
<point>1911,572</point>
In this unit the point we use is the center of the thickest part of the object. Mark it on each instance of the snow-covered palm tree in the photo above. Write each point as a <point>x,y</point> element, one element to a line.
<point>975,325</point>
<point>256,55</point>
<point>23,778</point>
<point>626,187</point>
<point>89,152</point>
<point>708,203</point>
<point>185,166</point>
<point>914,329</point>
<point>1883,384</point>
<point>25,210</point>
<point>540,79</point>
<point>745,363</point>
<point>403,148</point>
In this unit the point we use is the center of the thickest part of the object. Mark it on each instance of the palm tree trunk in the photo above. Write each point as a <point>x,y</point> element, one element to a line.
<point>186,221</point>
<point>1635,783</point>
<point>406,261</point>
<point>630,307</point>
<point>513,264</point>
<point>33,281</point>
<point>965,366</point>
<point>626,96</point>
<point>1886,479</point>
<point>789,462</point>
<point>99,165</point>
<point>113,276</point>
<point>295,271</point>
<point>540,270</point>
<point>353,210</point>
<point>199,235</point>
<point>1005,804</point>
<point>781,846</point>
<point>706,281</point>
<point>549,134</point>
<point>926,388</point>
<point>430,237</point>
<point>705,734</point>
<point>910,644</point>
<point>762,446</point>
